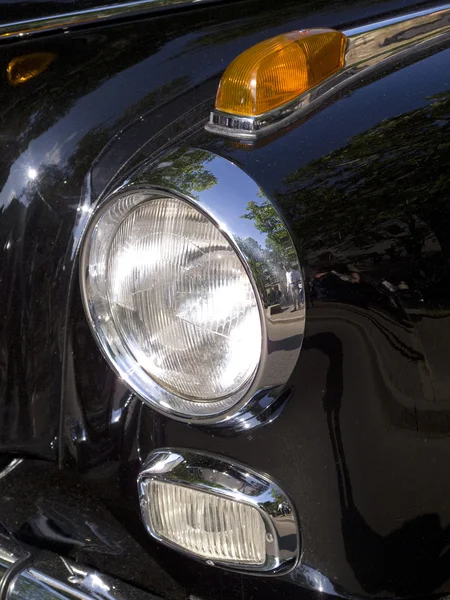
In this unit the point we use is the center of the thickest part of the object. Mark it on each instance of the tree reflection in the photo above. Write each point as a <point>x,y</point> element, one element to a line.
<point>378,206</point>
<point>375,214</point>
<point>185,171</point>
<point>382,197</point>
<point>273,13</point>
<point>82,66</point>
<point>267,221</point>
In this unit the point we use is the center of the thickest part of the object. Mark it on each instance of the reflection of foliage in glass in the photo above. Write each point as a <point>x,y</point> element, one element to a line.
<point>186,171</point>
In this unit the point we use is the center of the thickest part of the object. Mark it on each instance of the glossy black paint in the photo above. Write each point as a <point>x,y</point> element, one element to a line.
<point>21,10</point>
<point>65,516</point>
<point>366,195</point>
<point>362,446</point>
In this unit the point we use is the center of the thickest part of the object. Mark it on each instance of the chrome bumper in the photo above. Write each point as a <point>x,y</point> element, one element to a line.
<point>46,576</point>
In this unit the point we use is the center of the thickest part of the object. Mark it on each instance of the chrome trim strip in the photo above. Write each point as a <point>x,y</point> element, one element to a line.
<point>394,20</point>
<point>48,576</point>
<point>10,575</point>
<point>32,580</point>
<point>369,47</point>
<point>52,577</point>
<point>220,477</point>
<point>15,462</point>
<point>11,554</point>
<point>20,29</point>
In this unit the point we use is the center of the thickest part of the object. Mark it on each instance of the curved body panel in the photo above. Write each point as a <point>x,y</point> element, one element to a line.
<point>362,445</point>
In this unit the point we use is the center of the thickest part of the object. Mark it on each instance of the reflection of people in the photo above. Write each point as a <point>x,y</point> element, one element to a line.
<point>274,295</point>
<point>294,282</point>
<point>339,284</point>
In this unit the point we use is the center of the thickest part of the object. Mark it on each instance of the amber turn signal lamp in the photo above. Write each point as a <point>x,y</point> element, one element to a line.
<point>26,67</point>
<point>275,71</point>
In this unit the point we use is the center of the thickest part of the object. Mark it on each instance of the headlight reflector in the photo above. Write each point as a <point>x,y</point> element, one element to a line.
<point>171,303</point>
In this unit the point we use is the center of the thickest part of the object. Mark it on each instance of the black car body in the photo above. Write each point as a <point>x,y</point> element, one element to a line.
<point>360,439</point>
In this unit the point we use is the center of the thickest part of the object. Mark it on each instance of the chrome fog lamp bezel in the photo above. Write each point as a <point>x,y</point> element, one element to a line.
<point>270,376</point>
<point>228,479</point>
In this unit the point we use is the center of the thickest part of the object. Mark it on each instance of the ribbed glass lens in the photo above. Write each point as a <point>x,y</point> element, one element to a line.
<point>181,300</point>
<point>209,526</point>
<point>279,69</point>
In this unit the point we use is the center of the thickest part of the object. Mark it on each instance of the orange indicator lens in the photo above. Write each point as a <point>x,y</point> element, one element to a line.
<point>278,70</point>
<point>26,67</point>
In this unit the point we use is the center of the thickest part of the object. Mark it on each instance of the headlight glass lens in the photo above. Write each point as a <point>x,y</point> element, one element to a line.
<point>170,293</point>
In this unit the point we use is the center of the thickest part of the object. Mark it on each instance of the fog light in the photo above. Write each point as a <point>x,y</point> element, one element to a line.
<point>218,511</point>
<point>207,525</point>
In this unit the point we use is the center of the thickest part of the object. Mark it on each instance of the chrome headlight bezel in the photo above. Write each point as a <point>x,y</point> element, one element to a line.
<point>269,378</point>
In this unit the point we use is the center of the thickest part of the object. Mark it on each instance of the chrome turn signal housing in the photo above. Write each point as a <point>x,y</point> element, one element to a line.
<point>274,83</point>
<point>218,511</point>
<point>268,83</point>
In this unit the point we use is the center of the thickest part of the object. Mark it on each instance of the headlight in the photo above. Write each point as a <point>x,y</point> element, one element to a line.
<point>172,302</point>
<point>195,295</point>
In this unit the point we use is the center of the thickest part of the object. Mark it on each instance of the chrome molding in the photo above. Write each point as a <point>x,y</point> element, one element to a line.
<point>214,474</point>
<point>64,22</point>
<point>282,331</point>
<point>48,576</point>
<point>10,553</point>
<point>52,577</point>
<point>368,48</point>
<point>15,462</point>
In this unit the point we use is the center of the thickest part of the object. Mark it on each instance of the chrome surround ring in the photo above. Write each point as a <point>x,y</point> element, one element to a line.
<point>225,200</point>
<point>98,14</point>
<point>221,477</point>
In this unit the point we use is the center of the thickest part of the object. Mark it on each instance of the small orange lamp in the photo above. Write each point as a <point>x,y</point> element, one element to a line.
<point>26,67</point>
<point>271,73</point>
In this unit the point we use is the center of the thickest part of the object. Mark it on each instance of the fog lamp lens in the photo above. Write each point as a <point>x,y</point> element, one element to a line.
<point>209,526</point>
